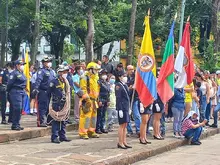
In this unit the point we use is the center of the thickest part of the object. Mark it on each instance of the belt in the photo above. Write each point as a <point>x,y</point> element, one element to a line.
<point>93,99</point>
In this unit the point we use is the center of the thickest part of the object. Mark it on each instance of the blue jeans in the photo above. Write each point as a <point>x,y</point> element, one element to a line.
<point>195,133</point>
<point>136,116</point>
<point>208,110</point>
<point>203,107</point>
<point>101,112</point>
<point>217,108</point>
<point>178,117</point>
<point>195,108</point>
<point>163,124</point>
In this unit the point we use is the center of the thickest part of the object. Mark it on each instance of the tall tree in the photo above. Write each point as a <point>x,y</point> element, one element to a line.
<point>131,32</point>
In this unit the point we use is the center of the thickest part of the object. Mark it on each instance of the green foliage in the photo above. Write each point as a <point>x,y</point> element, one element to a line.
<point>68,51</point>
<point>210,60</point>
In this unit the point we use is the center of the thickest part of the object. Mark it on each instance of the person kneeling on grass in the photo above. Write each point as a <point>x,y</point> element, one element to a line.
<point>191,128</point>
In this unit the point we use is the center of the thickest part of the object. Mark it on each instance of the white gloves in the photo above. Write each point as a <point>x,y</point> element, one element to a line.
<point>141,108</point>
<point>120,113</point>
<point>157,107</point>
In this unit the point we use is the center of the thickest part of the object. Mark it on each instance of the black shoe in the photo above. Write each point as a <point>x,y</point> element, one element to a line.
<point>98,132</point>
<point>207,124</point>
<point>65,140</point>
<point>4,122</point>
<point>17,128</point>
<point>121,147</point>
<point>43,125</point>
<point>158,138</point>
<point>104,131</point>
<point>142,142</point>
<point>147,142</point>
<point>195,143</point>
<point>55,141</point>
<point>199,142</point>
<point>214,126</point>
<point>127,146</point>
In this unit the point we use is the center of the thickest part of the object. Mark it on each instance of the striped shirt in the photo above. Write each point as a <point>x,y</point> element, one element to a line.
<point>186,125</point>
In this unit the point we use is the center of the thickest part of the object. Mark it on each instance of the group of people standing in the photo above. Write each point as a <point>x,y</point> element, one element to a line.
<point>104,95</point>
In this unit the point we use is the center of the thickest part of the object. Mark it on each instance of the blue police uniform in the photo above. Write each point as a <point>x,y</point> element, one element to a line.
<point>3,94</point>
<point>56,89</point>
<point>16,85</point>
<point>104,97</point>
<point>122,102</point>
<point>44,78</point>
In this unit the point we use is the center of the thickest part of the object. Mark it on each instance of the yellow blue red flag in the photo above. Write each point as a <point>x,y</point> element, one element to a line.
<point>145,81</point>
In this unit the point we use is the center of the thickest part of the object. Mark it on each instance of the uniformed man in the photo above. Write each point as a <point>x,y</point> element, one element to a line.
<point>16,88</point>
<point>44,77</point>
<point>88,110</point>
<point>60,91</point>
<point>4,76</point>
<point>104,100</point>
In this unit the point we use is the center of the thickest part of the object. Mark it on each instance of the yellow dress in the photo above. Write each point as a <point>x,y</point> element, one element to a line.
<point>188,96</point>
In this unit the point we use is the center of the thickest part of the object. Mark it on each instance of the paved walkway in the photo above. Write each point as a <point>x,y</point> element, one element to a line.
<point>207,154</point>
<point>39,151</point>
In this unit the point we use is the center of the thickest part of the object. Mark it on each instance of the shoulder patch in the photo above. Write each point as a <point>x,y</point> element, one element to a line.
<point>11,77</point>
<point>39,72</point>
<point>117,87</point>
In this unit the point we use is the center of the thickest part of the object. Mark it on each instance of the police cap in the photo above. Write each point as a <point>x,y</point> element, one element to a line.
<point>46,59</point>
<point>19,62</point>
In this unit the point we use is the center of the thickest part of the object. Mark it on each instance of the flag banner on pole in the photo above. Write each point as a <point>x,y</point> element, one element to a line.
<point>27,74</point>
<point>184,65</point>
<point>145,79</point>
<point>165,83</point>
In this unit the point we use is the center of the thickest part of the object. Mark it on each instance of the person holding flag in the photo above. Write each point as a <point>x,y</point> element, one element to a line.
<point>25,59</point>
<point>145,79</point>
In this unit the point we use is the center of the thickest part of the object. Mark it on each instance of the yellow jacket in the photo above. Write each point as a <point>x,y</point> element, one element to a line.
<point>93,85</point>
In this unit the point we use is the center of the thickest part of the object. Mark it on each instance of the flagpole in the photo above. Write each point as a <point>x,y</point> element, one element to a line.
<point>182,21</point>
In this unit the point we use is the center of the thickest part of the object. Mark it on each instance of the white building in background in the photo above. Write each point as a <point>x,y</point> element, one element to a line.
<point>44,49</point>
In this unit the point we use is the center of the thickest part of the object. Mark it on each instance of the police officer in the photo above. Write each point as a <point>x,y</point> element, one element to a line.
<point>59,90</point>
<point>16,88</point>
<point>44,77</point>
<point>122,106</point>
<point>104,100</point>
<point>4,76</point>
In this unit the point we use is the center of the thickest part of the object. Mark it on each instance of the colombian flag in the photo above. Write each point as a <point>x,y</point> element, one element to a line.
<point>165,83</point>
<point>145,82</point>
<point>25,58</point>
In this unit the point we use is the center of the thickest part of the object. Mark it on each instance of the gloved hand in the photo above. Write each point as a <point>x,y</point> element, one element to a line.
<point>120,112</point>
<point>35,92</point>
<point>86,104</point>
<point>157,107</point>
<point>141,108</point>
<point>129,111</point>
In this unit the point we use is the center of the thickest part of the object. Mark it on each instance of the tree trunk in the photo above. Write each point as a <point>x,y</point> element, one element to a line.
<point>35,40</point>
<point>216,24</point>
<point>131,32</point>
<point>111,46</point>
<point>15,47</point>
<point>99,53</point>
<point>90,36</point>
<point>3,48</point>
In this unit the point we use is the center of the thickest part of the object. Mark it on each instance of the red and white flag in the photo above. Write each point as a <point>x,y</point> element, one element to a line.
<point>184,65</point>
